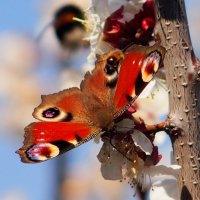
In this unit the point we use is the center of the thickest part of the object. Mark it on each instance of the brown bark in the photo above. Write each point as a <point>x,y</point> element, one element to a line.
<point>183,82</point>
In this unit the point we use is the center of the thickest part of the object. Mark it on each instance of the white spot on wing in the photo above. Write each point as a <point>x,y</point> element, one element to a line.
<point>74,142</point>
<point>140,62</point>
<point>112,77</point>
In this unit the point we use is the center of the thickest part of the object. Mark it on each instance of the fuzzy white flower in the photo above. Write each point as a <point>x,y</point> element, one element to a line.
<point>159,170</point>
<point>118,155</point>
<point>121,159</point>
<point>165,186</point>
<point>157,178</point>
<point>95,26</point>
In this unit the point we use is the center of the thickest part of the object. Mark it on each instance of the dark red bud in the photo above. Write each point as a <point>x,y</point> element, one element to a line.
<point>148,23</point>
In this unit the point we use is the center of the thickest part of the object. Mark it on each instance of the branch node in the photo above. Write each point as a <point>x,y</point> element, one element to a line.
<point>177,158</point>
<point>184,84</point>
<point>190,144</point>
<point>186,110</point>
<point>195,169</point>
<point>195,182</point>
<point>180,118</point>
<point>181,144</point>
<point>191,157</point>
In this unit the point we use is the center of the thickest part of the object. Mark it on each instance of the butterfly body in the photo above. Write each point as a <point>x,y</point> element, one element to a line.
<point>74,116</point>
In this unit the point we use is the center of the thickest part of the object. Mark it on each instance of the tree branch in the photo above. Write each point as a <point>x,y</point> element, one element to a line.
<point>182,75</point>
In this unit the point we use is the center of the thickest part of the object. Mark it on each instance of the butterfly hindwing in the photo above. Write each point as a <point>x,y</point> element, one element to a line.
<point>46,140</point>
<point>67,122</point>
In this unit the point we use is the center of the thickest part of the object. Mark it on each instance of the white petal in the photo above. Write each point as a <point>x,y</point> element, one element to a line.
<point>111,162</point>
<point>104,153</point>
<point>166,188</point>
<point>142,142</point>
<point>115,4</point>
<point>101,8</point>
<point>172,170</point>
<point>110,171</point>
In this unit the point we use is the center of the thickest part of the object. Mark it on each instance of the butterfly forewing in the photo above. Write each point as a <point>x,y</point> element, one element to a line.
<point>67,123</point>
<point>137,70</point>
<point>101,82</point>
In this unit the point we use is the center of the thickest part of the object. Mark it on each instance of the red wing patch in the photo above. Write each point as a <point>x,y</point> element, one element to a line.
<point>45,140</point>
<point>137,70</point>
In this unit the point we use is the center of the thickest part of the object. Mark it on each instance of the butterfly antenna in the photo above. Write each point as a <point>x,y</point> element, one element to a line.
<point>43,31</point>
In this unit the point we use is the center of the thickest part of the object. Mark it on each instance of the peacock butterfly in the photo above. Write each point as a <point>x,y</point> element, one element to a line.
<point>74,116</point>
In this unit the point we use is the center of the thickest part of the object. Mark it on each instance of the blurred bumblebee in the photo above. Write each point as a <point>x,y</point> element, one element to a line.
<point>69,31</point>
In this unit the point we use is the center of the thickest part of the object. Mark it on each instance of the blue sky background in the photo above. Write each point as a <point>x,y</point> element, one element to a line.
<point>29,181</point>
<point>19,15</point>
<point>37,181</point>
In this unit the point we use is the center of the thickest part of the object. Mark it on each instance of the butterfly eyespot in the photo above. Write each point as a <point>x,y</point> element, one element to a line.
<point>112,60</point>
<point>42,152</point>
<point>69,117</point>
<point>109,70</point>
<point>51,113</point>
<point>150,66</point>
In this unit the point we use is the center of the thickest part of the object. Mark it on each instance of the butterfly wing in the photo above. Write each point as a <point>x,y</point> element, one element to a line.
<point>46,140</point>
<point>74,116</point>
<point>102,81</point>
<point>119,78</point>
<point>137,70</point>
<point>67,123</point>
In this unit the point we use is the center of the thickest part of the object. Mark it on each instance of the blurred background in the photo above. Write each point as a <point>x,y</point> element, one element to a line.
<point>32,64</point>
